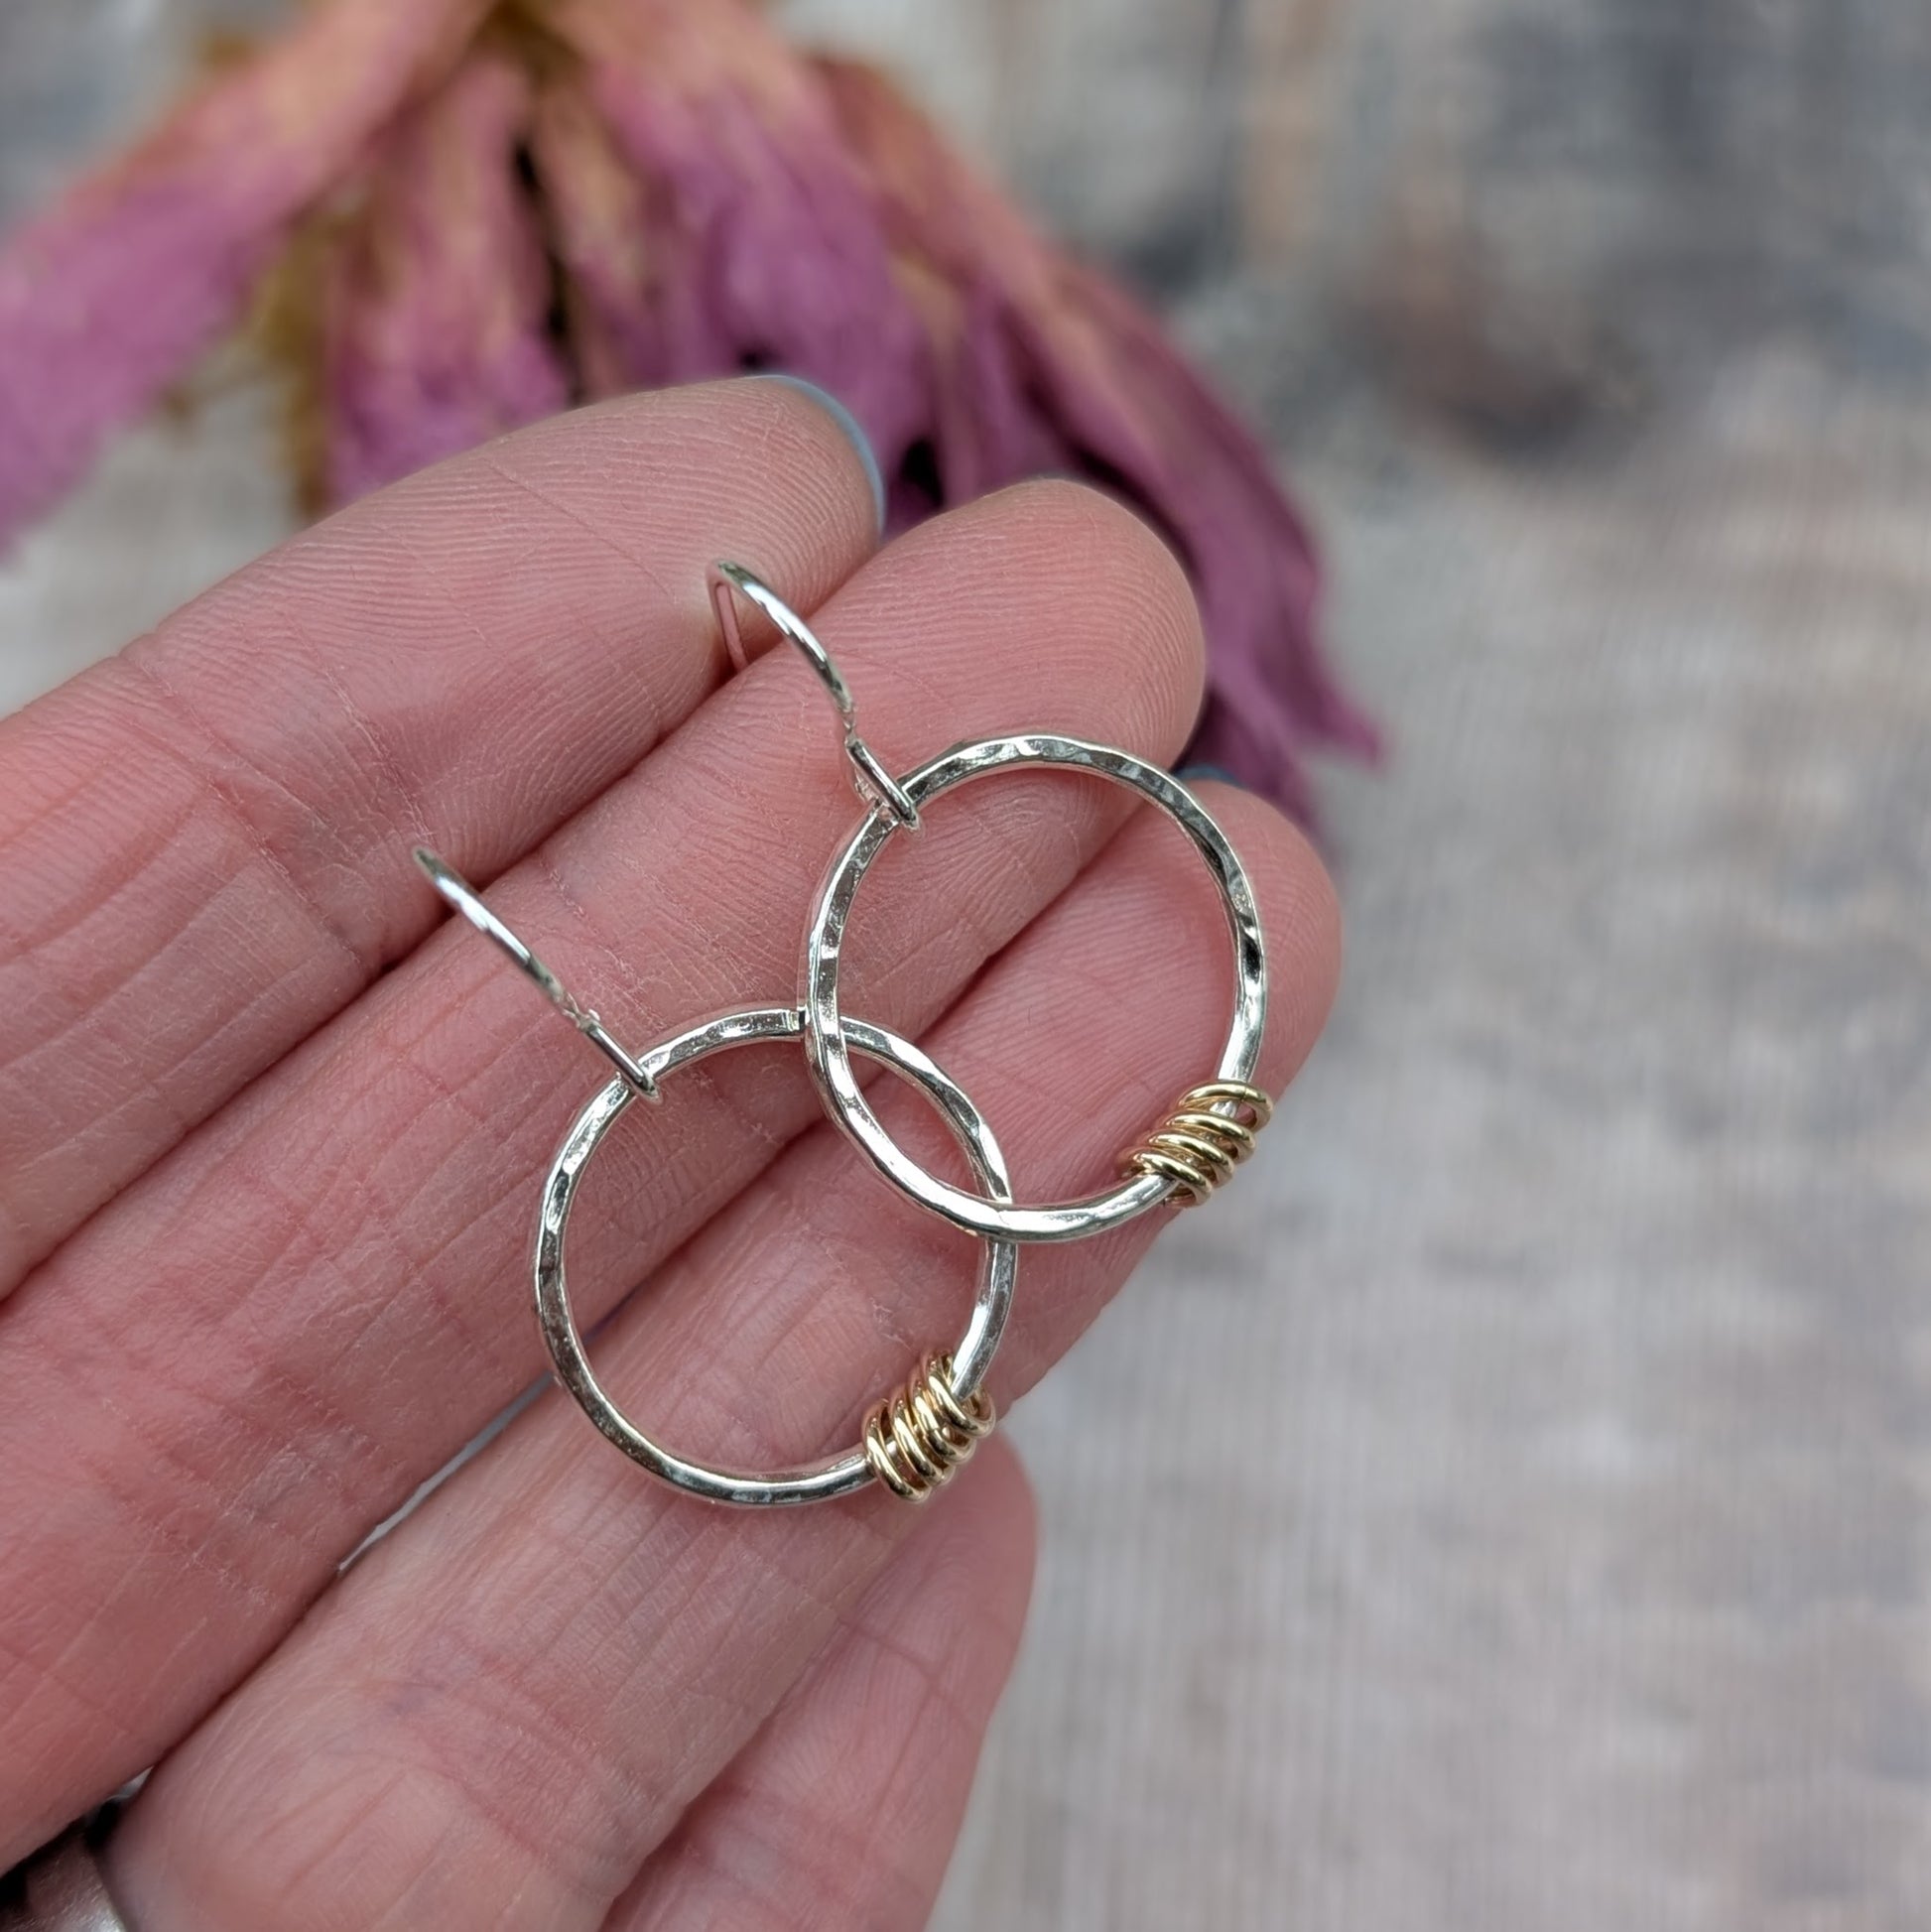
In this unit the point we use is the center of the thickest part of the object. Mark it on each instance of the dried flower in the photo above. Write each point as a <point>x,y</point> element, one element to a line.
<point>1042,364</point>
<point>435,307</point>
<point>108,297</point>
<point>471,214</point>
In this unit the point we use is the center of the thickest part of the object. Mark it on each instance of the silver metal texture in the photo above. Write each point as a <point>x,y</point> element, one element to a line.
<point>836,1476</point>
<point>61,1890</point>
<point>465,897</point>
<point>829,1036</point>
<point>876,788</point>
<point>895,804</point>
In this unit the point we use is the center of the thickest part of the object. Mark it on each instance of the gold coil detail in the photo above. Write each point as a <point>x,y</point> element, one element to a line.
<point>1210,1132</point>
<point>920,1434</point>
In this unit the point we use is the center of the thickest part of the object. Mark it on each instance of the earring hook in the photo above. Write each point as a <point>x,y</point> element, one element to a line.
<point>877,788</point>
<point>466,900</point>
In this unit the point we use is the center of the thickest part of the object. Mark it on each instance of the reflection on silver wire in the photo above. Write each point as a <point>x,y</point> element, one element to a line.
<point>466,900</point>
<point>879,790</point>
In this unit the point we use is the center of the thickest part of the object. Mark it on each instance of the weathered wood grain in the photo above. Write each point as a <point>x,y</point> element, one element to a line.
<point>1525,1523</point>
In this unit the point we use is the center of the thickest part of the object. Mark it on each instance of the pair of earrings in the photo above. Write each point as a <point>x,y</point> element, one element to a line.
<point>916,1437</point>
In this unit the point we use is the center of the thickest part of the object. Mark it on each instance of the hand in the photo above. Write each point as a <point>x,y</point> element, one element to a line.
<point>270,1140</point>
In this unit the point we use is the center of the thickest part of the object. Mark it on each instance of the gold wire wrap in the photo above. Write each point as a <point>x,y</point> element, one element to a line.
<point>920,1434</point>
<point>1198,1146</point>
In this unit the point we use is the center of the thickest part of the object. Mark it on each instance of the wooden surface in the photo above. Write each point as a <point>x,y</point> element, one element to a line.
<point>1524,1519</point>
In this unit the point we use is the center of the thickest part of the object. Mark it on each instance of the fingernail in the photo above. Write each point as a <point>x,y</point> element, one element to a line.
<point>853,434</point>
<point>1187,774</point>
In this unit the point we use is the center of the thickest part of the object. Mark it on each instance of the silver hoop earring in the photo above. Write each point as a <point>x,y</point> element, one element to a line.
<point>912,1440</point>
<point>915,1438</point>
<point>1211,1127</point>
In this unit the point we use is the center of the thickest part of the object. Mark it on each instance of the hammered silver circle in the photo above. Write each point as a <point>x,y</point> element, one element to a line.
<point>829,1037</point>
<point>835,1475</point>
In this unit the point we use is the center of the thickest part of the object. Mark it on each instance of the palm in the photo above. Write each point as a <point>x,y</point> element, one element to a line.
<point>265,1202</point>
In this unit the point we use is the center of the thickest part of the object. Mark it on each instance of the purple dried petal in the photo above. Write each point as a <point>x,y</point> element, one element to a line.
<point>111,295</point>
<point>604,231</point>
<point>1032,353</point>
<point>712,202</point>
<point>1211,484</point>
<point>766,235</point>
<point>435,308</point>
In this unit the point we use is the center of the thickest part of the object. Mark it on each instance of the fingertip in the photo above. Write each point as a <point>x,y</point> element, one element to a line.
<point>1136,644</point>
<point>771,470</point>
<point>848,425</point>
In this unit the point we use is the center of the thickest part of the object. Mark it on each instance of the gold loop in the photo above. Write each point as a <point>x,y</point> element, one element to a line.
<point>1197,1147</point>
<point>920,1434</point>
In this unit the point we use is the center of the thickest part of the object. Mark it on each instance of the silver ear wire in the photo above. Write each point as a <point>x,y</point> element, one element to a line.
<point>466,900</point>
<point>879,790</point>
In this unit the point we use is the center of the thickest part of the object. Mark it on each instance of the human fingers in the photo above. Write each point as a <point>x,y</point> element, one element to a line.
<point>259,1350</point>
<point>841,1813</point>
<point>552,1639</point>
<point>204,841</point>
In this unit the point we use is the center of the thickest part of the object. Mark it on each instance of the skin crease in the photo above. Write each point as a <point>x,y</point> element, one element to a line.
<point>204,840</point>
<point>560,1695</point>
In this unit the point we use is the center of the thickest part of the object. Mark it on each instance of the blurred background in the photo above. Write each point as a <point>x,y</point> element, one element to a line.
<point>1525,1518</point>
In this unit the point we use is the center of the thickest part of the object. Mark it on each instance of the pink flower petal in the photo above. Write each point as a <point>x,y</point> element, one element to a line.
<point>616,192</point>
<point>111,295</point>
<point>605,226</point>
<point>765,238</point>
<point>437,305</point>
<point>1032,355</point>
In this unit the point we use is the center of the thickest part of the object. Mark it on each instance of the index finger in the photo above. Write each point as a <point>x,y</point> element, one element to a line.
<point>204,840</point>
